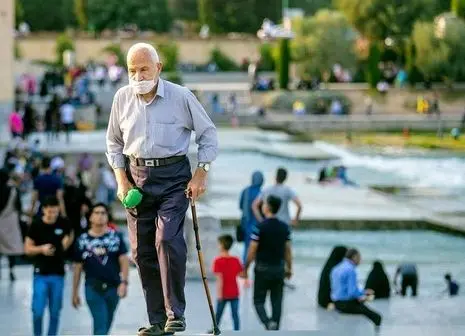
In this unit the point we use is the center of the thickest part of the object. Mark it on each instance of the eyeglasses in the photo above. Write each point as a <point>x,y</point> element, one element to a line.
<point>99,212</point>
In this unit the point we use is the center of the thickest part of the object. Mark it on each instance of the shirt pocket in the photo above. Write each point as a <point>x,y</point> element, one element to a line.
<point>166,135</point>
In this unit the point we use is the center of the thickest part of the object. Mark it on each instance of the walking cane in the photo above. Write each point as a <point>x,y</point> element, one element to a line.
<point>216,330</point>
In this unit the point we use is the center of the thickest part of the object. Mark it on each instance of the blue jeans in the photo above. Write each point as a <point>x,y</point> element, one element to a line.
<point>102,306</point>
<point>47,288</point>
<point>234,311</point>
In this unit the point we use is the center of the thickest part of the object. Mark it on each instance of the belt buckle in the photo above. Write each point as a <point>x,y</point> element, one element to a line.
<point>152,163</point>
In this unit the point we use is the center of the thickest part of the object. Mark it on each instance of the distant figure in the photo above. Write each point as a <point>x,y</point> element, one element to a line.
<point>409,274</point>
<point>347,297</point>
<point>67,118</point>
<point>378,281</point>
<point>452,286</point>
<point>248,220</point>
<point>324,290</point>
<point>285,193</point>
<point>227,268</point>
<point>16,124</point>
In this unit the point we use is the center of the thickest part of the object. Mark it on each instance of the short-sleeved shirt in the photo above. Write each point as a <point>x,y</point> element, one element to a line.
<point>228,268</point>
<point>272,236</point>
<point>286,194</point>
<point>42,233</point>
<point>100,256</point>
<point>47,185</point>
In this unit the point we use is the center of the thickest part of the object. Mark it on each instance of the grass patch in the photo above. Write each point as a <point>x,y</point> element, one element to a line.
<point>421,140</point>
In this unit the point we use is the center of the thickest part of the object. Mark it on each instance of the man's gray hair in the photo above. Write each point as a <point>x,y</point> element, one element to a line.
<point>143,47</point>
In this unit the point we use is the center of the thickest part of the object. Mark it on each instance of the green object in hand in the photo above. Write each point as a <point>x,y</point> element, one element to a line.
<point>132,199</point>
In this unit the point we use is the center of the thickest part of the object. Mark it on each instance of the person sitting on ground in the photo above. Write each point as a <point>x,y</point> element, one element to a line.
<point>324,290</point>
<point>346,295</point>
<point>378,281</point>
<point>227,268</point>
<point>409,274</point>
<point>452,286</point>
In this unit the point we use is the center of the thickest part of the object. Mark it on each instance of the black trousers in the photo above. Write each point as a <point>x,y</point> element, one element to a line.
<point>409,280</point>
<point>358,308</point>
<point>268,280</point>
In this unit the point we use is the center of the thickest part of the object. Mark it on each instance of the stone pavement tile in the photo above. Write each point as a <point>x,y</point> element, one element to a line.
<point>424,316</point>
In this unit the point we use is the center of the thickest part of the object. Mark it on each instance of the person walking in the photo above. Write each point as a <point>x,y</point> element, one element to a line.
<point>271,250</point>
<point>101,254</point>
<point>67,118</point>
<point>16,124</point>
<point>226,269</point>
<point>11,241</point>
<point>248,220</point>
<point>285,193</point>
<point>409,275</point>
<point>148,137</point>
<point>47,240</point>
<point>347,297</point>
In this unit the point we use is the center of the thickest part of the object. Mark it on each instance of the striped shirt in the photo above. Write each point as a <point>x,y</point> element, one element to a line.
<point>160,128</point>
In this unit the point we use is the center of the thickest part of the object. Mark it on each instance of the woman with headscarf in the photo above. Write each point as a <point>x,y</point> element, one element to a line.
<point>324,290</point>
<point>378,281</point>
<point>248,220</point>
<point>11,242</point>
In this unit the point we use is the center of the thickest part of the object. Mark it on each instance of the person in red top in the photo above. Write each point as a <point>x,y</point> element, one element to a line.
<point>227,268</point>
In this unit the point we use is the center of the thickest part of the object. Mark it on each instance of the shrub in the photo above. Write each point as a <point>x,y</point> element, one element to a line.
<point>169,55</point>
<point>267,62</point>
<point>222,61</point>
<point>63,43</point>
<point>317,102</point>
<point>18,54</point>
<point>116,50</point>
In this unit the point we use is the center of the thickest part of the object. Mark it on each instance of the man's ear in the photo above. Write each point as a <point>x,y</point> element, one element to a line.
<point>160,66</point>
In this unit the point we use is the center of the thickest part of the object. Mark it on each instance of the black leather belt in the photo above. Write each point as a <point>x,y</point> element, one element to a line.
<point>156,162</point>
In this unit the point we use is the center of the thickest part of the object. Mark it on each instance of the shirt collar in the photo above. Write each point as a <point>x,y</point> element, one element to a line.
<point>160,88</point>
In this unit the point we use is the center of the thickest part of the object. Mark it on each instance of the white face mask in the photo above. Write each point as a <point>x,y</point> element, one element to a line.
<point>142,87</point>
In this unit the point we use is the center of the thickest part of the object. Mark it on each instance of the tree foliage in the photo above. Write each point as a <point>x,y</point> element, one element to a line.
<point>379,19</point>
<point>440,56</point>
<point>184,9</point>
<point>50,15</point>
<point>458,8</point>
<point>115,14</point>
<point>322,41</point>
<point>80,10</point>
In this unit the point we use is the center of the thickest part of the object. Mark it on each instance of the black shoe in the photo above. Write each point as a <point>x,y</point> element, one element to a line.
<point>176,325</point>
<point>12,276</point>
<point>154,330</point>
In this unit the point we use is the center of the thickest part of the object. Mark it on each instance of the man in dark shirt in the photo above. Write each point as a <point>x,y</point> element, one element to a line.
<point>271,250</point>
<point>47,240</point>
<point>45,185</point>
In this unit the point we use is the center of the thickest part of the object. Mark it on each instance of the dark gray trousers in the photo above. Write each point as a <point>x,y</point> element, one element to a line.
<point>157,238</point>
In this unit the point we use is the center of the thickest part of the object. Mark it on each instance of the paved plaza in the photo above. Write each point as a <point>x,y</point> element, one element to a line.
<point>425,316</point>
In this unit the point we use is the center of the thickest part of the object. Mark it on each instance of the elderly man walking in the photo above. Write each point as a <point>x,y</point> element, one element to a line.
<point>147,141</point>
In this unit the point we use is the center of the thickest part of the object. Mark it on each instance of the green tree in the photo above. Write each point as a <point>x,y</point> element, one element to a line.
<point>379,19</point>
<point>458,7</point>
<point>310,7</point>
<point>64,42</point>
<point>50,15</point>
<point>269,9</point>
<point>19,12</point>
<point>206,14</point>
<point>283,63</point>
<point>440,56</point>
<point>322,41</point>
<point>169,55</point>
<point>80,10</point>
<point>185,9</point>
<point>114,14</point>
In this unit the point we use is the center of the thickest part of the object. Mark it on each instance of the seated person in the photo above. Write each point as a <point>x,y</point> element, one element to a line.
<point>378,281</point>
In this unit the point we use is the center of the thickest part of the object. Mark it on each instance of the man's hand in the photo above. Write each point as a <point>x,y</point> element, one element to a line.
<point>123,187</point>
<point>122,290</point>
<point>197,186</point>
<point>244,275</point>
<point>76,302</point>
<point>295,222</point>
<point>48,250</point>
<point>288,274</point>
